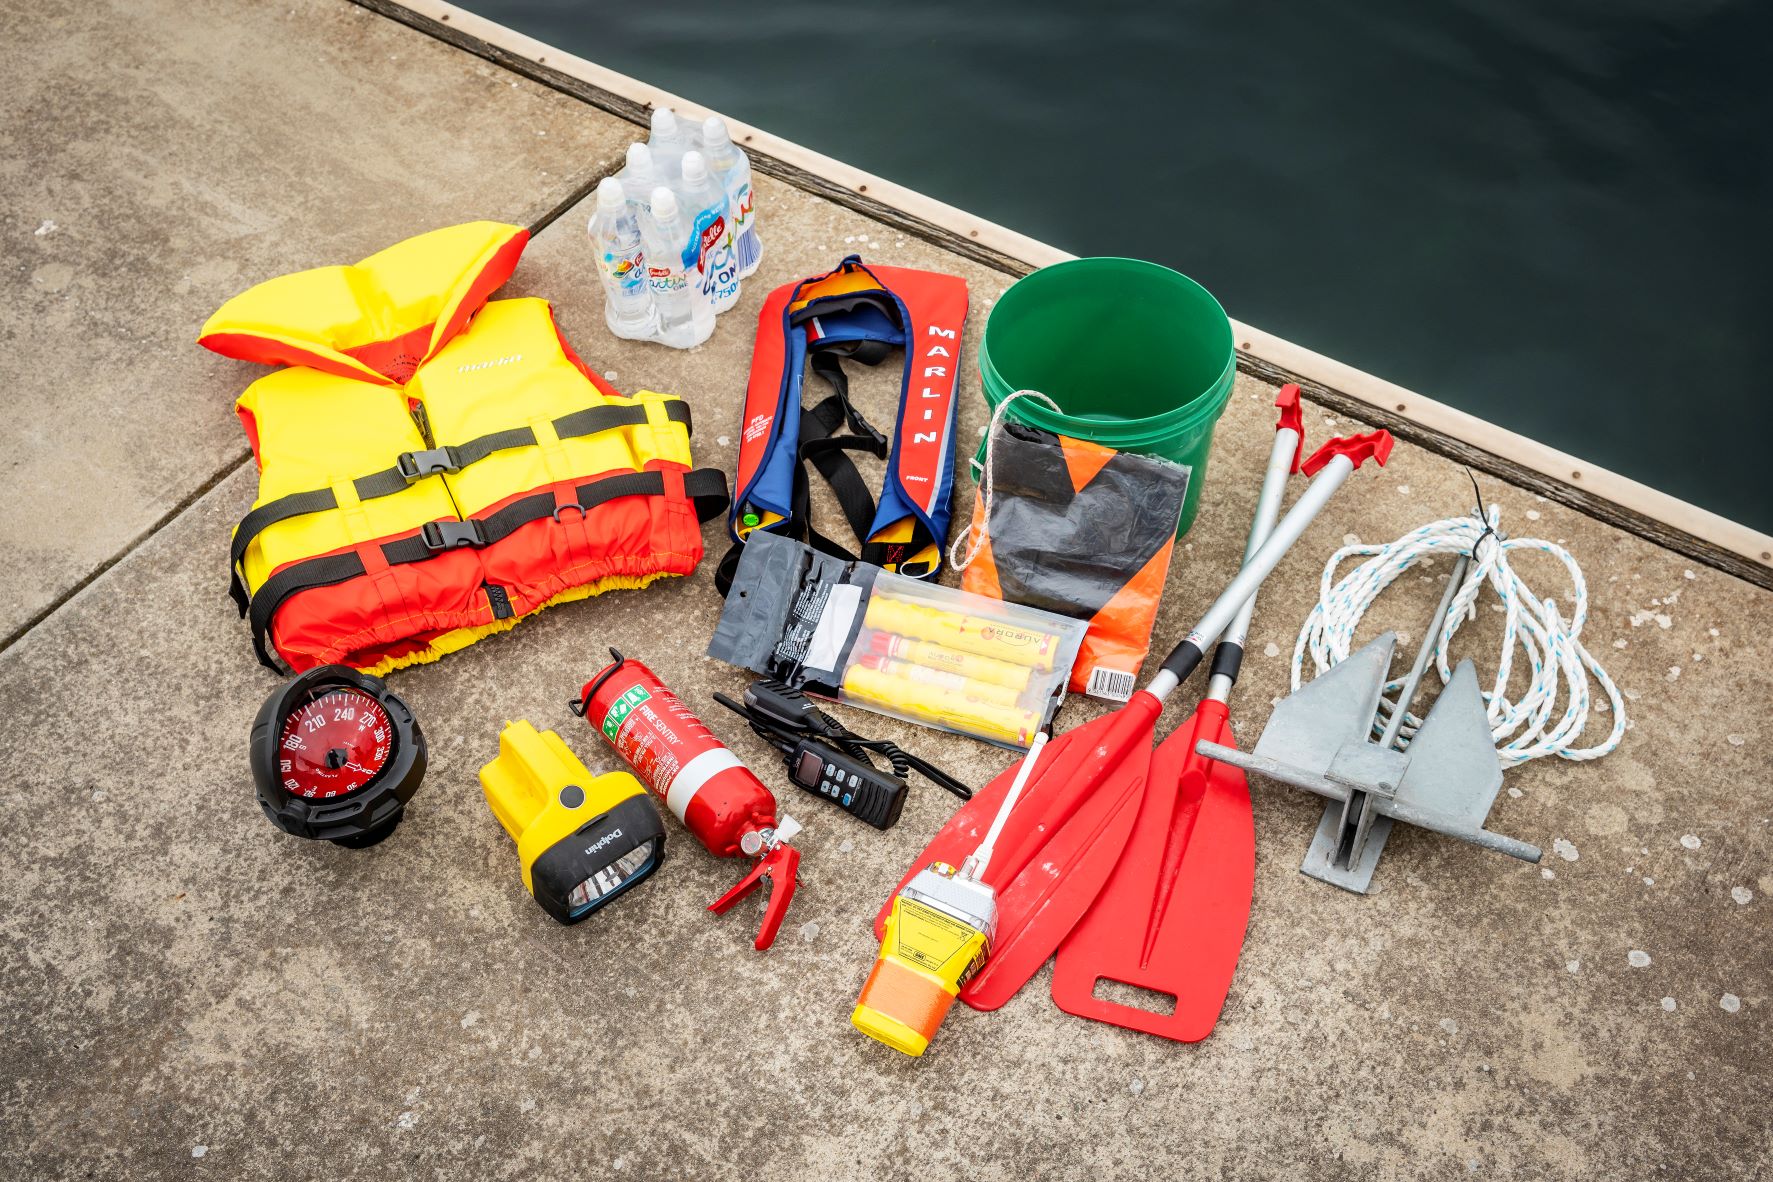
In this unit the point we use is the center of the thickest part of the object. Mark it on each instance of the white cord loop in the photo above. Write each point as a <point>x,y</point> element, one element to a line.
<point>1561,666</point>
<point>974,537</point>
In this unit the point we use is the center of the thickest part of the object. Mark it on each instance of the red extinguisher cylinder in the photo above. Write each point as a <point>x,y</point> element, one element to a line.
<point>718,799</point>
<point>699,779</point>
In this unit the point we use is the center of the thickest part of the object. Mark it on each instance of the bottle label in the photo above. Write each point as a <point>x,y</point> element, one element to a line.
<point>665,280</point>
<point>627,271</point>
<point>695,251</point>
<point>742,203</point>
<point>710,251</point>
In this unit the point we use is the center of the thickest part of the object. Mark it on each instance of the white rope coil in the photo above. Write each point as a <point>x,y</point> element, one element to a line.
<point>1560,665</point>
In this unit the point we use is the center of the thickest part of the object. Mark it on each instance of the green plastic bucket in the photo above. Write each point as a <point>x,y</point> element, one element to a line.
<point>1137,356</point>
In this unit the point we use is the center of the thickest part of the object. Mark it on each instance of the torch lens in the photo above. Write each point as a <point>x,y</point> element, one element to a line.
<point>600,886</point>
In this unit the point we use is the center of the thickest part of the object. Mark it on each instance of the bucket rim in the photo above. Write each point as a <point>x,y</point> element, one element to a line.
<point>1123,434</point>
<point>1186,418</point>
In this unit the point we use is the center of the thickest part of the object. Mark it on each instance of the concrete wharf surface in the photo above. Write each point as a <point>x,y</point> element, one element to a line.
<point>187,993</point>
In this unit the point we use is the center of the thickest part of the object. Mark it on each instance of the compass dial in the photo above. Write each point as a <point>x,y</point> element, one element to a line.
<point>334,744</point>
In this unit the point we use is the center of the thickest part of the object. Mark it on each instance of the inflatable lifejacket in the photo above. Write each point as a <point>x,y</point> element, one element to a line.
<point>432,470</point>
<point>863,313</point>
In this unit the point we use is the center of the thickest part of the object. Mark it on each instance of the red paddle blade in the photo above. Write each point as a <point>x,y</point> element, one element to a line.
<point>1172,918</point>
<point>1039,907</point>
<point>1072,769</point>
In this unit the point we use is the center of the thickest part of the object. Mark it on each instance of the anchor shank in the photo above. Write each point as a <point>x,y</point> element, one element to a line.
<point>1424,651</point>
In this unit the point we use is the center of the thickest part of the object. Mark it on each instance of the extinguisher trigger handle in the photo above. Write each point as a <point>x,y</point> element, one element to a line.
<point>739,890</point>
<point>780,866</point>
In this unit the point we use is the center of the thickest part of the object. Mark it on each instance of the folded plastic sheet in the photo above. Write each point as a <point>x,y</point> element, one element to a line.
<point>1085,531</point>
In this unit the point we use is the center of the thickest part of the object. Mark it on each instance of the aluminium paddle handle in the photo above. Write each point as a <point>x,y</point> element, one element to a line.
<point>1332,465</point>
<point>1283,460</point>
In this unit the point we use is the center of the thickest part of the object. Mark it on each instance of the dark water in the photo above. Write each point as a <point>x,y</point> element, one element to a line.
<point>1557,214</point>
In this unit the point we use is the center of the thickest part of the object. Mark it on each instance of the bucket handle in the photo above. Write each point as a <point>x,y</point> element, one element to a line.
<point>966,547</point>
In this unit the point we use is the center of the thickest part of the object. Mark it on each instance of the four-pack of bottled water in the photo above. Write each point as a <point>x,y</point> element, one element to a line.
<point>675,232</point>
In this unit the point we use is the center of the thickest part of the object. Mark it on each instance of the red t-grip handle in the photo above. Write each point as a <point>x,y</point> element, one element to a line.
<point>1374,445</point>
<point>1292,415</point>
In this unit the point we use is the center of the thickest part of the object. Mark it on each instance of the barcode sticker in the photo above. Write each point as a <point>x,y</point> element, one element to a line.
<point>1112,684</point>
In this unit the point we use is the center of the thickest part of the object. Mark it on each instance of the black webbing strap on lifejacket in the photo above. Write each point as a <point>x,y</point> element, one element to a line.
<point>413,466</point>
<point>705,487</point>
<point>827,451</point>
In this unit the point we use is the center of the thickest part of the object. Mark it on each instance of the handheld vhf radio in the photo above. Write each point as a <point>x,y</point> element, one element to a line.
<point>831,761</point>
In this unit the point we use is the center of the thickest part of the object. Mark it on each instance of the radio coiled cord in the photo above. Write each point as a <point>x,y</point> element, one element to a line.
<point>782,715</point>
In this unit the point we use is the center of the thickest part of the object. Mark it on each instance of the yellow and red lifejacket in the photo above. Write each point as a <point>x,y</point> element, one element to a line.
<point>434,467</point>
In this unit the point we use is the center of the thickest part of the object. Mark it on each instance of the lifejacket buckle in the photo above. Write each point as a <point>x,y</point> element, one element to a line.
<point>453,535</point>
<point>416,465</point>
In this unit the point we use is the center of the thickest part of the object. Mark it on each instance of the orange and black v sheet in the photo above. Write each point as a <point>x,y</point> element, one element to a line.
<point>1085,531</point>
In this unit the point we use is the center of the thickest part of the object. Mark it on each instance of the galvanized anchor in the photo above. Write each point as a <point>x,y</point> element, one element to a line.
<point>1319,740</point>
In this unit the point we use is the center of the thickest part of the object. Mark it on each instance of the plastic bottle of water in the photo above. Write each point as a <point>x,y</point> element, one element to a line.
<point>621,260</point>
<point>711,218</point>
<point>639,177</point>
<point>669,141</point>
<point>733,167</point>
<point>684,318</point>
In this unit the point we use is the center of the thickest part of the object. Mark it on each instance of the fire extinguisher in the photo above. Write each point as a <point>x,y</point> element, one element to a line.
<point>723,805</point>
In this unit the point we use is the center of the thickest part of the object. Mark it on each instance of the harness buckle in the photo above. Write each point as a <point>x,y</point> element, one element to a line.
<point>453,535</point>
<point>416,465</point>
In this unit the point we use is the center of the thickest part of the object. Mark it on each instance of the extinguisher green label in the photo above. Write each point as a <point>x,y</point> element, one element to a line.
<point>621,708</point>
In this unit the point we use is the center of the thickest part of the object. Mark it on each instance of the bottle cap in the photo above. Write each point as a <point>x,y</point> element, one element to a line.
<point>610,198</point>
<point>664,123</point>
<point>640,159</point>
<point>695,168</point>
<point>714,132</point>
<point>664,204</point>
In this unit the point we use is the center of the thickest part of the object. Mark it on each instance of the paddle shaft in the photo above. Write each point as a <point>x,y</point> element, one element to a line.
<point>1186,657</point>
<point>1228,657</point>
